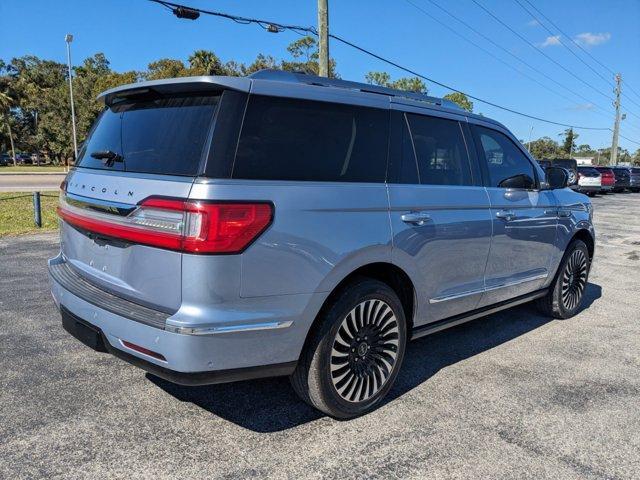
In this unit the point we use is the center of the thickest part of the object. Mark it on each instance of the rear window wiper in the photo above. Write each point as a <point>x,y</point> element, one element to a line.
<point>108,156</point>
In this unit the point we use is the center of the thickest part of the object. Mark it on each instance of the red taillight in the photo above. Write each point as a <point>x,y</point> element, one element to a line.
<point>187,225</point>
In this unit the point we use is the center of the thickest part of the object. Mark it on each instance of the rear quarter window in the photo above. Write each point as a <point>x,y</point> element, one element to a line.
<point>303,140</point>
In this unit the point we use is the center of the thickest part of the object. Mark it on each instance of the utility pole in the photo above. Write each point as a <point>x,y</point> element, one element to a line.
<point>529,144</point>
<point>323,37</point>
<point>68,39</point>
<point>616,125</point>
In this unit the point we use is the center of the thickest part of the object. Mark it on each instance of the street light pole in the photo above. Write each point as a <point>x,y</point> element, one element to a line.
<point>68,39</point>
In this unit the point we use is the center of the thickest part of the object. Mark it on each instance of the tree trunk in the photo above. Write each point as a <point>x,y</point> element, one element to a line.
<point>13,150</point>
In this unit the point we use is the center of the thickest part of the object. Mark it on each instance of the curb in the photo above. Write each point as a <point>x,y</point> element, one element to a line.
<point>9,174</point>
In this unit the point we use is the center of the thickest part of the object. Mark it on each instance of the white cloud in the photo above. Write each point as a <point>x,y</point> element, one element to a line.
<point>551,41</point>
<point>582,107</point>
<point>533,23</point>
<point>589,39</point>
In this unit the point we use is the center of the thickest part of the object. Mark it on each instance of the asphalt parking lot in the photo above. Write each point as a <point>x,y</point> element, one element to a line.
<point>512,395</point>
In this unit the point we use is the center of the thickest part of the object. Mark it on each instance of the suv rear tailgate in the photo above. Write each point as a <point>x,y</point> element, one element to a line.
<point>146,275</point>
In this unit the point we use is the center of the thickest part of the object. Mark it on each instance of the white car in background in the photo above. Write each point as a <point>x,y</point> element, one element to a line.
<point>589,180</point>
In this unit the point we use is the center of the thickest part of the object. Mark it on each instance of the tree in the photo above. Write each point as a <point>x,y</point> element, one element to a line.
<point>305,57</point>
<point>545,147</point>
<point>205,62</point>
<point>41,89</point>
<point>636,157</point>
<point>261,62</point>
<point>569,144</point>
<point>383,79</point>
<point>5,106</point>
<point>461,99</point>
<point>165,68</point>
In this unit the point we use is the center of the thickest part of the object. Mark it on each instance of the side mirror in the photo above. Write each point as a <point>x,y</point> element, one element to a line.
<point>522,181</point>
<point>556,177</point>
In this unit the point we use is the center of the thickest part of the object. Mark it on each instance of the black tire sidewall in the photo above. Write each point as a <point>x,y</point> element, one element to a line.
<point>557,288</point>
<point>357,293</point>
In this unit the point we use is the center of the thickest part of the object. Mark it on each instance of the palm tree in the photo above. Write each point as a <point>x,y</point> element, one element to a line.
<point>5,104</point>
<point>205,63</point>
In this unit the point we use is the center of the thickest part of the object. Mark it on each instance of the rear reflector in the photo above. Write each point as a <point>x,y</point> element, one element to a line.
<point>186,225</point>
<point>146,351</point>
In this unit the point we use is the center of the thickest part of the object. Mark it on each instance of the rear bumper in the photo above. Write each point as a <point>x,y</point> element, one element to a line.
<point>221,354</point>
<point>589,188</point>
<point>94,338</point>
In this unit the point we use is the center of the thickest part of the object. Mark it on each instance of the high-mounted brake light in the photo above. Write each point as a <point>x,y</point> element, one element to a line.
<point>186,225</point>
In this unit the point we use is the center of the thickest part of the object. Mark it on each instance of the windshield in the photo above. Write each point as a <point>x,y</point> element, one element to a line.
<point>162,135</point>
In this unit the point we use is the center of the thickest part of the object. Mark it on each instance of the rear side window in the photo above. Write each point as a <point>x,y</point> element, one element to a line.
<point>291,139</point>
<point>440,151</point>
<point>161,135</point>
<point>505,161</point>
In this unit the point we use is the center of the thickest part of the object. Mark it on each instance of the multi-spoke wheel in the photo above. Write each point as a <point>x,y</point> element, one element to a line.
<point>353,357</point>
<point>568,287</point>
<point>364,351</point>
<point>574,279</point>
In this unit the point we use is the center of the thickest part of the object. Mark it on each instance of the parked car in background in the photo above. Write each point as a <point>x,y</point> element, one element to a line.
<point>608,179</point>
<point>23,159</point>
<point>5,160</point>
<point>623,178</point>
<point>634,179</point>
<point>223,228</point>
<point>589,180</point>
<point>544,163</point>
<point>572,166</point>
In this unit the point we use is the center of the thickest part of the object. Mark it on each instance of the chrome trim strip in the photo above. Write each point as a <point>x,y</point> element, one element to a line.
<point>252,327</point>
<point>445,298</point>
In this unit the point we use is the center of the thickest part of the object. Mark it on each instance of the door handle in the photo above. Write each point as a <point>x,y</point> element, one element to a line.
<point>564,213</point>
<point>416,218</point>
<point>507,215</point>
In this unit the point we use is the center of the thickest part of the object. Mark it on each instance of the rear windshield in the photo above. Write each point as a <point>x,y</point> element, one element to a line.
<point>161,135</point>
<point>566,163</point>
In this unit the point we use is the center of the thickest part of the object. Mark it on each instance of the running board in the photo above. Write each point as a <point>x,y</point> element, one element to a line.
<point>434,327</point>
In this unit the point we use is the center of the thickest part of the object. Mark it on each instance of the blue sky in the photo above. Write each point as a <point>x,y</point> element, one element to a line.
<point>133,33</point>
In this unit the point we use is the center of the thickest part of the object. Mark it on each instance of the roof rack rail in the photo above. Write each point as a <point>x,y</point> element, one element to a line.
<point>301,77</point>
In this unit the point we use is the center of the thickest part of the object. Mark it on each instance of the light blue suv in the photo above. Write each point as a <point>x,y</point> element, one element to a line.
<point>218,229</point>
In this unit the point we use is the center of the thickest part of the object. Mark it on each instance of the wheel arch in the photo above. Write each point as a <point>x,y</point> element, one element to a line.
<point>586,236</point>
<point>392,275</point>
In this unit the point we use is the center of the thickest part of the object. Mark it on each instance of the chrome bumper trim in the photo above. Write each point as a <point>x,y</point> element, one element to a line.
<point>252,327</point>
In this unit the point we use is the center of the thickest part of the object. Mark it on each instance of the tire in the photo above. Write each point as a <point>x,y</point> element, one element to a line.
<point>352,359</point>
<point>568,286</point>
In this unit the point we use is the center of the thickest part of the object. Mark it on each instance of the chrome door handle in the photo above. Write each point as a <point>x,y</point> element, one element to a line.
<point>507,215</point>
<point>564,213</point>
<point>416,218</point>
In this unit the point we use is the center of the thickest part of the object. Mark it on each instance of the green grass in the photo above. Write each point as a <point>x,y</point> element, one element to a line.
<point>16,213</point>
<point>31,169</point>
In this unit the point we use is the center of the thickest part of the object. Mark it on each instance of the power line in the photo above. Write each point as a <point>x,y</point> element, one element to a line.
<point>515,32</point>
<point>448,87</point>
<point>296,28</point>
<point>570,50</point>
<point>577,44</point>
<point>628,139</point>
<point>487,51</point>
<point>497,45</point>
<point>562,42</point>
